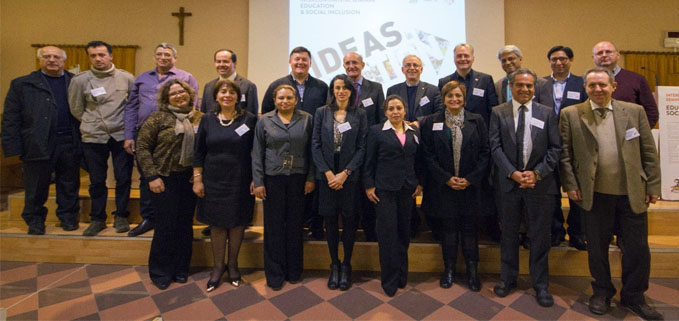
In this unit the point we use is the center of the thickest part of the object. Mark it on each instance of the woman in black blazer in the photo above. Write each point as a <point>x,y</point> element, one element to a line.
<point>456,150</point>
<point>391,182</point>
<point>338,149</point>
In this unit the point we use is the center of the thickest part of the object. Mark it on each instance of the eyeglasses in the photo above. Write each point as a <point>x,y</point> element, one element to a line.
<point>177,93</point>
<point>410,65</point>
<point>559,59</point>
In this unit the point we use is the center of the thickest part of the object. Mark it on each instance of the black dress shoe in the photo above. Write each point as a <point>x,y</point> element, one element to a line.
<point>36,230</point>
<point>69,227</point>
<point>390,292</point>
<point>644,311</point>
<point>447,278</point>
<point>213,285</point>
<point>162,284</point>
<point>599,304</point>
<point>578,243</point>
<point>142,228</point>
<point>333,281</point>
<point>180,279</point>
<point>275,287</point>
<point>544,298</point>
<point>473,276</point>
<point>503,289</point>
<point>345,277</point>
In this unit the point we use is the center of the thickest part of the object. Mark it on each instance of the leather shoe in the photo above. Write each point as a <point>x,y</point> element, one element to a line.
<point>94,228</point>
<point>599,304</point>
<point>143,227</point>
<point>345,277</point>
<point>69,227</point>
<point>544,298</point>
<point>578,243</point>
<point>180,279</point>
<point>447,278</point>
<point>120,224</point>
<point>473,276</point>
<point>36,230</point>
<point>333,281</point>
<point>503,289</point>
<point>161,284</point>
<point>644,311</point>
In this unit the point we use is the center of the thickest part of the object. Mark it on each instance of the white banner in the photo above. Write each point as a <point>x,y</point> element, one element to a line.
<point>668,108</point>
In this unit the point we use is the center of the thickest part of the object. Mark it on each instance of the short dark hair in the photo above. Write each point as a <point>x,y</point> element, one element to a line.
<point>232,85</point>
<point>521,72</point>
<point>233,54</point>
<point>163,96</point>
<point>300,49</point>
<point>567,50</point>
<point>98,43</point>
<point>347,83</point>
<point>394,97</point>
<point>452,85</point>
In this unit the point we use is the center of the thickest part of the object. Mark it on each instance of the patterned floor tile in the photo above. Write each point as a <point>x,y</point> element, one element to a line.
<point>63,293</point>
<point>91,317</point>
<point>47,268</point>
<point>268,293</point>
<point>171,299</point>
<point>321,311</point>
<point>434,290</point>
<point>670,283</point>
<point>114,280</point>
<point>236,299</point>
<point>121,295</point>
<point>374,287</point>
<point>295,301</point>
<point>201,310</point>
<point>10,265</point>
<point>447,313</point>
<point>143,271</point>
<point>355,302</point>
<point>21,304</point>
<point>571,315</point>
<point>528,304</point>
<point>264,310</point>
<point>143,309</point>
<point>320,287</point>
<point>60,278</point>
<point>27,316</point>
<point>385,312</point>
<point>663,293</point>
<point>95,270</point>
<point>64,310</point>
<point>416,304</point>
<point>510,314</point>
<point>14,289</point>
<point>21,272</point>
<point>476,306</point>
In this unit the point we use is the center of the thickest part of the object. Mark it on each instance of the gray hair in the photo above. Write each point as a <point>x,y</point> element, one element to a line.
<point>39,52</point>
<point>464,45</point>
<point>509,49</point>
<point>521,72</point>
<point>167,45</point>
<point>611,75</point>
<point>410,56</point>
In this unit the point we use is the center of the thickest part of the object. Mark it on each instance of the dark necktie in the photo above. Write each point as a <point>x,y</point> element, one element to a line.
<point>358,93</point>
<point>520,129</point>
<point>602,112</point>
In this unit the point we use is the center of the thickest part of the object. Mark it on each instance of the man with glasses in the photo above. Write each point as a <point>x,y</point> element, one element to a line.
<point>140,105</point>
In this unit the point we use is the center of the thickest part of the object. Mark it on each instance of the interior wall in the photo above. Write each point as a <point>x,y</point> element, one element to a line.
<point>537,25</point>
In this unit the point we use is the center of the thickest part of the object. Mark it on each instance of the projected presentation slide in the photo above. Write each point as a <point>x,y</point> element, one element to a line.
<point>382,31</point>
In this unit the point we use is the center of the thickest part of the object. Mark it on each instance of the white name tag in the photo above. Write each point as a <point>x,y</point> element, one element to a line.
<point>631,134</point>
<point>195,129</point>
<point>98,91</point>
<point>242,97</point>
<point>344,127</point>
<point>437,126</point>
<point>537,123</point>
<point>573,95</point>
<point>242,129</point>
<point>424,101</point>
<point>417,140</point>
<point>478,92</point>
<point>367,102</point>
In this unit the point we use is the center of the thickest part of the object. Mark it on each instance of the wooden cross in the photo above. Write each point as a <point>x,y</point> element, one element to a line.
<point>181,14</point>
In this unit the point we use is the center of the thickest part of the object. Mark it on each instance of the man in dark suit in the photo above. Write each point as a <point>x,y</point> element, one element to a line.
<point>421,98</point>
<point>225,63</point>
<point>370,97</point>
<point>610,167</point>
<point>38,126</point>
<point>525,145</point>
<point>560,90</point>
<point>312,93</point>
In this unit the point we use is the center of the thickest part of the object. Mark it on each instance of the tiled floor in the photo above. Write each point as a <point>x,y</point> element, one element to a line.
<point>50,291</point>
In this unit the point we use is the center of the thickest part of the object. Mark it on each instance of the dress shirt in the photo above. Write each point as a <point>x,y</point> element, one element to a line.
<point>559,89</point>
<point>527,142</point>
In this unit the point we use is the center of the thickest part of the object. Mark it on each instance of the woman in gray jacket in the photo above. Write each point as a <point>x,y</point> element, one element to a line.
<point>283,172</point>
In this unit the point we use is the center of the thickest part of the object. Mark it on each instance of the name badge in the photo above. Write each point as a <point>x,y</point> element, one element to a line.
<point>242,129</point>
<point>96,92</point>
<point>537,123</point>
<point>424,101</point>
<point>367,102</point>
<point>437,126</point>
<point>343,127</point>
<point>478,92</point>
<point>631,134</point>
<point>242,98</point>
<point>573,95</point>
<point>417,140</point>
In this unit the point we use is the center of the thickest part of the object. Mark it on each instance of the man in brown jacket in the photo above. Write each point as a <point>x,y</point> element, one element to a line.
<point>609,166</point>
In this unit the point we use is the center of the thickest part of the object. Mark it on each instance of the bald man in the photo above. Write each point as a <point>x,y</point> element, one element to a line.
<point>38,126</point>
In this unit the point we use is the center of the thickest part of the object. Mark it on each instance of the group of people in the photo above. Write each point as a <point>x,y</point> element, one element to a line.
<point>343,153</point>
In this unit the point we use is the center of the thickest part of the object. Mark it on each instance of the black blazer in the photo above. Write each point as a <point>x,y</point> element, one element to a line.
<point>481,105</point>
<point>315,94</point>
<point>424,89</point>
<point>573,84</point>
<point>374,91</point>
<point>352,151</point>
<point>390,166</point>
<point>544,156</point>
<point>248,90</point>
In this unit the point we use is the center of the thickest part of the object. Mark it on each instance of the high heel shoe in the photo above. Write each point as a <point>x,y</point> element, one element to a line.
<point>213,285</point>
<point>237,281</point>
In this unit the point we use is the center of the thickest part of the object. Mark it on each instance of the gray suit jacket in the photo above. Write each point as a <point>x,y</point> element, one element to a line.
<point>580,153</point>
<point>543,157</point>
<point>501,89</point>
<point>424,89</point>
<point>248,90</point>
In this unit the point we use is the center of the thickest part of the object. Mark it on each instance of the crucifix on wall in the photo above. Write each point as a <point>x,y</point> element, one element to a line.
<point>181,15</point>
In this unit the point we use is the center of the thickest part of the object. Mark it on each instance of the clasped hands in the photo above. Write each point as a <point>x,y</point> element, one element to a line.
<point>458,183</point>
<point>336,181</point>
<point>526,179</point>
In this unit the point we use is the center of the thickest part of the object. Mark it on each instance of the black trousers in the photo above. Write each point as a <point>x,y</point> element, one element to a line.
<point>146,208</point>
<point>393,236</point>
<point>459,231</point>
<point>539,217</point>
<point>172,240</point>
<point>65,164</point>
<point>366,210</point>
<point>283,227</point>
<point>96,158</point>
<point>636,257</point>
